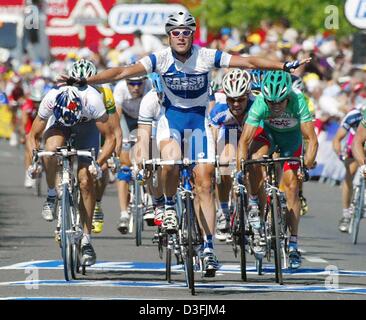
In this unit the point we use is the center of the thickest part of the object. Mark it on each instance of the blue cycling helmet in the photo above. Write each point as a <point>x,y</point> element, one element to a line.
<point>225,31</point>
<point>156,82</point>
<point>68,107</point>
<point>257,77</point>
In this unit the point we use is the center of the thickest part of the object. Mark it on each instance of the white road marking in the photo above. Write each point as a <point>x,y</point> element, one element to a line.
<point>314,259</point>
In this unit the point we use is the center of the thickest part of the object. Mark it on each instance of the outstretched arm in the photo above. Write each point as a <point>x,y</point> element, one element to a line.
<point>106,76</point>
<point>308,132</point>
<point>261,63</point>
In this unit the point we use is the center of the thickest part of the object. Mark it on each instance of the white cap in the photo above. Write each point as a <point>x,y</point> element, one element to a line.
<point>308,45</point>
<point>122,45</point>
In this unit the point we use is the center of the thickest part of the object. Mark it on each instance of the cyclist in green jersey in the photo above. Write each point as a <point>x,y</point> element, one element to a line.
<point>278,121</point>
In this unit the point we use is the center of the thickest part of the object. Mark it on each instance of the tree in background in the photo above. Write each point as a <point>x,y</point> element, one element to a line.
<point>309,16</point>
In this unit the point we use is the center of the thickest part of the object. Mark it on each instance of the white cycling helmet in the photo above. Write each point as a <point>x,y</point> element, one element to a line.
<point>180,20</point>
<point>82,69</point>
<point>236,83</point>
<point>297,84</point>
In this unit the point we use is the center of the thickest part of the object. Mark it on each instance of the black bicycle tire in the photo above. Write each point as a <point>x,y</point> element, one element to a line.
<point>276,233</point>
<point>358,212</point>
<point>168,262</point>
<point>66,247</point>
<point>38,190</point>
<point>75,260</point>
<point>190,255</point>
<point>259,266</point>
<point>138,221</point>
<point>160,243</point>
<point>243,263</point>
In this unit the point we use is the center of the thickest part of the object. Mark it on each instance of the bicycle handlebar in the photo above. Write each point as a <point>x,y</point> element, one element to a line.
<point>64,152</point>
<point>187,162</point>
<point>265,161</point>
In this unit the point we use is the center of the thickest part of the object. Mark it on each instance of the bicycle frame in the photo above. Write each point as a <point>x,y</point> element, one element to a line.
<point>275,210</point>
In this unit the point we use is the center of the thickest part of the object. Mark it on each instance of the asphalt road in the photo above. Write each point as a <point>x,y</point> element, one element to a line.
<point>30,259</point>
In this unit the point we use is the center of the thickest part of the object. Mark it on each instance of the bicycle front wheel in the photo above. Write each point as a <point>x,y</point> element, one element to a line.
<point>66,245</point>
<point>241,211</point>
<point>168,260</point>
<point>188,263</point>
<point>358,212</point>
<point>38,189</point>
<point>138,214</point>
<point>275,216</point>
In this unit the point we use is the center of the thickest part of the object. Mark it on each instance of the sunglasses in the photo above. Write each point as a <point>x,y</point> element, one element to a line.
<point>135,83</point>
<point>272,104</point>
<point>178,33</point>
<point>239,99</point>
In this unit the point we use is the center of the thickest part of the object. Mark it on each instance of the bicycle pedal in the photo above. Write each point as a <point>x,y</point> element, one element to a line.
<point>211,273</point>
<point>171,231</point>
<point>123,230</point>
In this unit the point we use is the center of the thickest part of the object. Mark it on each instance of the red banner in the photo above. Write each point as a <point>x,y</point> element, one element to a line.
<point>75,23</point>
<point>11,2</point>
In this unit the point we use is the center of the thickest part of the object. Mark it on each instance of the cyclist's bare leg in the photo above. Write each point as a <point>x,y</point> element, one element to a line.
<point>53,139</point>
<point>170,150</point>
<point>290,183</point>
<point>87,199</point>
<point>203,174</point>
<point>123,186</point>
<point>256,151</point>
<point>256,173</point>
<point>157,191</point>
<point>351,166</point>
<point>228,155</point>
<point>101,184</point>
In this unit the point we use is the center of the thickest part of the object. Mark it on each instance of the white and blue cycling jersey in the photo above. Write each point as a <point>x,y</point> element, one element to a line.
<point>186,97</point>
<point>351,121</point>
<point>221,118</point>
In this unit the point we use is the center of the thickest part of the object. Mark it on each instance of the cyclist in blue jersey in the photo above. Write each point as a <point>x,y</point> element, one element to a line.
<point>347,129</point>
<point>227,121</point>
<point>186,72</point>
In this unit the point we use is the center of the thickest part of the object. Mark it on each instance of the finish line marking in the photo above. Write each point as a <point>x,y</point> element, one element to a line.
<point>205,286</point>
<point>160,267</point>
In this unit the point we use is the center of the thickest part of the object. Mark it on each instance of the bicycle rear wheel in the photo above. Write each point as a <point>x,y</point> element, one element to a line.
<point>358,212</point>
<point>66,245</point>
<point>275,212</point>
<point>241,211</point>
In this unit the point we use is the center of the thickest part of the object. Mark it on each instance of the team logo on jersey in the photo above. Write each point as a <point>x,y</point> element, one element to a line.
<point>191,83</point>
<point>283,123</point>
